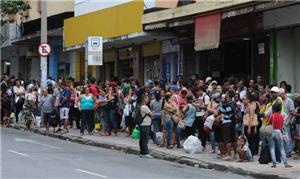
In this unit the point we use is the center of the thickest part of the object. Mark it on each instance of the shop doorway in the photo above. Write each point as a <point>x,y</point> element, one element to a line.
<point>237,58</point>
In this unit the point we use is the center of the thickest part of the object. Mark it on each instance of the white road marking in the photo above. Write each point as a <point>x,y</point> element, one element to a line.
<point>34,142</point>
<point>12,151</point>
<point>91,173</point>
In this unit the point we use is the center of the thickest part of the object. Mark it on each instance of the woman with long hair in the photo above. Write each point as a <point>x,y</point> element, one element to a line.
<point>251,122</point>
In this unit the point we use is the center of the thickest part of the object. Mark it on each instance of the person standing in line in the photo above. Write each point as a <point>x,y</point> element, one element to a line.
<point>228,134</point>
<point>19,92</point>
<point>86,103</point>
<point>156,107</point>
<point>64,105</point>
<point>56,94</point>
<point>47,106</point>
<point>145,127</point>
<point>277,121</point>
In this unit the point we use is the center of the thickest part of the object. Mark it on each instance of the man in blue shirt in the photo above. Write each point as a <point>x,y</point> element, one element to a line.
<point>64,104</point>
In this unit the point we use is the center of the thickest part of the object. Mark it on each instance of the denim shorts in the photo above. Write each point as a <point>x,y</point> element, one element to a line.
<point>47,117</point>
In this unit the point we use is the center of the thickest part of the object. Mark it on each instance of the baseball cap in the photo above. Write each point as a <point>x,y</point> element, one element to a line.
<point>208,79</point>
<point>281,91</point>
<point>174,88</point>
<point>275,89</point>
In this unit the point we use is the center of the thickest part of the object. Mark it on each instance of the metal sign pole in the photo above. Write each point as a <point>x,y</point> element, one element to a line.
<point>44,39</point>
<point>86,62</point>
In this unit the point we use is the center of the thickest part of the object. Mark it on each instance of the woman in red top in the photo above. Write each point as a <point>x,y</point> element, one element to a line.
<point>277,121</point>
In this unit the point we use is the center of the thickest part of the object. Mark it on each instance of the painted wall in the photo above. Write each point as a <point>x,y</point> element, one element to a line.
<point>35,68</point>
<point>288,45</point>
<point>297,60</point>
<point>53,7</point>
<point>282,17</point>
<point>87,6</point>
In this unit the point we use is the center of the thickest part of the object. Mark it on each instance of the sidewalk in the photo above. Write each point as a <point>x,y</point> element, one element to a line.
<point>203,160</point>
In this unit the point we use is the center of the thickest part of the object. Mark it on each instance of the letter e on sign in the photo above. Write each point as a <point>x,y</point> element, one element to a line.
<point>44,49</point>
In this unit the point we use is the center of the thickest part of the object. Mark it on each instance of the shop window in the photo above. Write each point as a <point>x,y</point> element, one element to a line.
<point>151,68</point>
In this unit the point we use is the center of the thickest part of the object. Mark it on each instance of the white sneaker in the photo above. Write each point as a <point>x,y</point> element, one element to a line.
<point>146,156</point>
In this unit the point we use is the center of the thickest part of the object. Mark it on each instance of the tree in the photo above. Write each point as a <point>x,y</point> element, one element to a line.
<point>12,8</point>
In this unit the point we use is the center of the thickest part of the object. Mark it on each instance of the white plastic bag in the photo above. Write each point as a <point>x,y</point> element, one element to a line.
<point>192,145</point>
<point>37,121</point>
<point>209,121</point>
<point>158,136</point>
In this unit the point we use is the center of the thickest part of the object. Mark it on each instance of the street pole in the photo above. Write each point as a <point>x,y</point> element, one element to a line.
<point>86,62</point>
<point>44,39</point>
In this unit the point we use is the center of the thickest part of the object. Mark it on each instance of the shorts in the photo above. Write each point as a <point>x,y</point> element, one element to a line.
<point>228,133</point>
<point>47,117</point>
<point>64,113</point>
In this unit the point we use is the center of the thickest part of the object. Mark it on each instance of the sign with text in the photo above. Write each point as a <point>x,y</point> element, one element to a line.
<point>94,51</point>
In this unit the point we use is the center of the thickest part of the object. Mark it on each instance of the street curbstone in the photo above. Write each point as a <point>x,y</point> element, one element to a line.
<point>157,155</point>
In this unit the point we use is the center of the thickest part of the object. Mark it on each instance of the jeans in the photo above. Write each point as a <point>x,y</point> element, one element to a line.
<point>104,120</point>
<point>113,120</point>
<point>170,127</point>
<point>277,137</point>
<point>212,140</point>
<point>156,123</point>
<point>288,147</point>
<point>87,119</point>
<point>145,131</point>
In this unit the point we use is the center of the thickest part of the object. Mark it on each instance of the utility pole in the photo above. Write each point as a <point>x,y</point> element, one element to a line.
<point>44,39</point>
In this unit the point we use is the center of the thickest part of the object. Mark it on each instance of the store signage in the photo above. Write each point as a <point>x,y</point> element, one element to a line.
<point>94,51</point>
<point>169,46</point>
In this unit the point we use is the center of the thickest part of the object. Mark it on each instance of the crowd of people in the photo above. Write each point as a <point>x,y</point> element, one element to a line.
<point>236,116</point>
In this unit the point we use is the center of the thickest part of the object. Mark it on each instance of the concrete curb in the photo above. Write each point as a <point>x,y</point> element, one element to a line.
<point>159,155</point>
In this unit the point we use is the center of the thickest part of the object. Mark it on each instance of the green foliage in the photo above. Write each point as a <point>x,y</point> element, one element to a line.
<point>13,7</point>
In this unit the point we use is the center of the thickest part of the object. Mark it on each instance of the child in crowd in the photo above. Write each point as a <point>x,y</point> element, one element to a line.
<point>243,150</point>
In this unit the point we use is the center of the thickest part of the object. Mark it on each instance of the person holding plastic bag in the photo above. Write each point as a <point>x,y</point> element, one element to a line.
<point>145,126</point>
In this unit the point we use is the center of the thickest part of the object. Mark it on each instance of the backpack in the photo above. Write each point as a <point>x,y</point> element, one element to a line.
<point>137,115</point>
<point>265,156</point>
<point>53,122</point>
<point>238,116</point>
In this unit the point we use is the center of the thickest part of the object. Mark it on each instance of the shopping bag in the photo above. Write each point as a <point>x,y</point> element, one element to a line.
<point>98,126</point>
<point>192,145</point>
<point>37,121</point>
<point>136,133</point>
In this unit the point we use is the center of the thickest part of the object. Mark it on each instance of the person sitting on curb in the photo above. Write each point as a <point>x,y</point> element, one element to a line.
<point>243,150</point>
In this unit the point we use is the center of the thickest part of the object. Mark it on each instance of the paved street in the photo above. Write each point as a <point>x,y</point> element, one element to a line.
<point>28,155</point>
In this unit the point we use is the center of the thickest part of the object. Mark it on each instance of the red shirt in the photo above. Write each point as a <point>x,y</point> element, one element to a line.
<point>94,90</point>
<point>276,120</point>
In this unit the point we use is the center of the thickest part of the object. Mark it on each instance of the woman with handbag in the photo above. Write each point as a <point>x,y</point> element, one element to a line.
<point>251,122</point>
<point>277,121</point>
<point>169,110</point>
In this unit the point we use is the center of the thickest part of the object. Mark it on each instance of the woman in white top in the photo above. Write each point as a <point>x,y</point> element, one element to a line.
<point>19,92</point>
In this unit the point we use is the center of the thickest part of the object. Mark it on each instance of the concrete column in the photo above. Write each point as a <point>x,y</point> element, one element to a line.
<point>116,55</point>
<point>137,64</point>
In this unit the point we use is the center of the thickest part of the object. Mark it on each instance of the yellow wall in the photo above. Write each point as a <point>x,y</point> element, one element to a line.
<point>111,22</point>
<point>53,8</point>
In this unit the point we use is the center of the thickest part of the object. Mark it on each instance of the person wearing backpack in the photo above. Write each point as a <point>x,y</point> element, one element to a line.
<point>145,127</point>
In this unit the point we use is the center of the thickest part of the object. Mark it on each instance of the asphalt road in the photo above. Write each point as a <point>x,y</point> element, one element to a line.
<point>29,155</point>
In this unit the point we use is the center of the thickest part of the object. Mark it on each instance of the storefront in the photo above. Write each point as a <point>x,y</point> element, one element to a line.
<point>170,60</point>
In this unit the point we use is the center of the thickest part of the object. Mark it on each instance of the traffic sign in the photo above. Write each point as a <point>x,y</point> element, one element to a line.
<point>44,49</point>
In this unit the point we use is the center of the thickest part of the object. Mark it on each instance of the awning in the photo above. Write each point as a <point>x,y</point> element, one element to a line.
<point>207,31</point>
